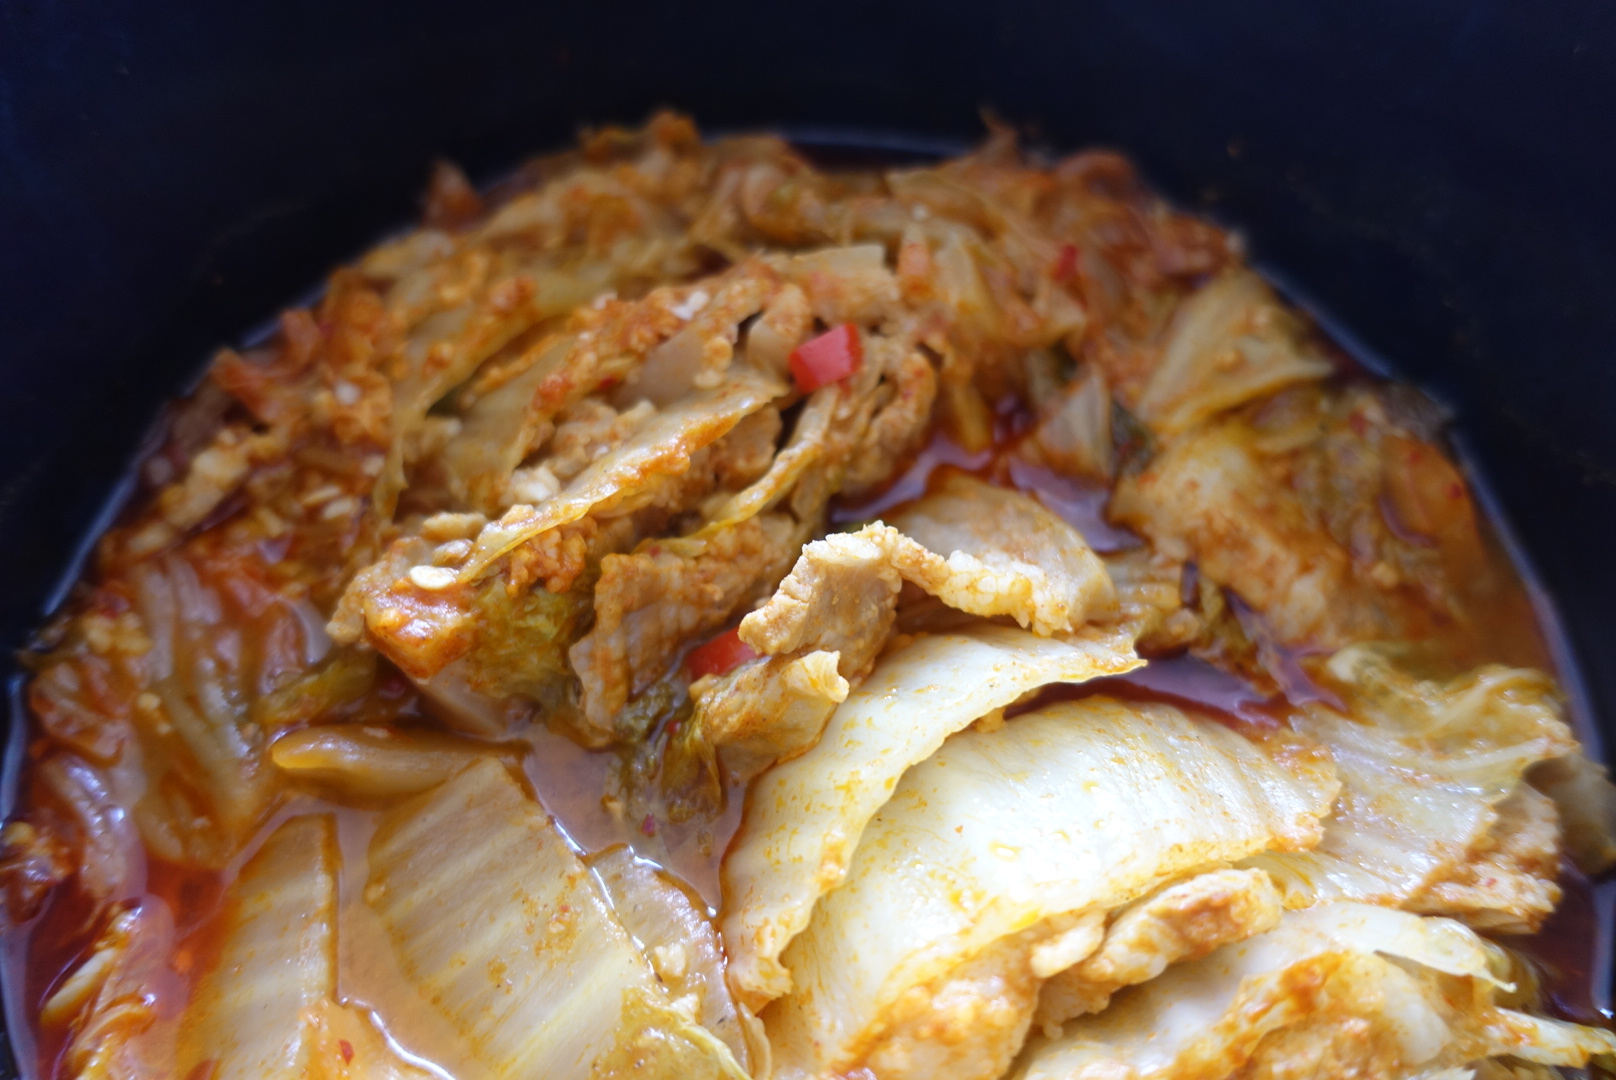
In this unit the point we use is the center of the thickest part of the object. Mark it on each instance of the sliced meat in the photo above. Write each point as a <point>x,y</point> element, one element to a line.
<point>842,594</point>
<point>1326,511</point>
<point>648,605</point>
<point>1184,921</point>
<point>841,597</point>
<point>421,630</point>
<point>841,600</point>
<point>1208,499</point>
<point>768,710</point>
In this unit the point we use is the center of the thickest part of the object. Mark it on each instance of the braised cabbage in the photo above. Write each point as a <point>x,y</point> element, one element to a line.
<point>804,818</point>
<point>994,840</point>
<point>514,943</point>
<point>1435,813</point>
<point>1347,989</point>
<point>278,960</point>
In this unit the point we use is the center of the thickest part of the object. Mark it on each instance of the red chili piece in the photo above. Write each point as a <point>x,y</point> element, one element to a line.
<point>1065,263</point>
<point>723,653</point>
<point>828,358</point>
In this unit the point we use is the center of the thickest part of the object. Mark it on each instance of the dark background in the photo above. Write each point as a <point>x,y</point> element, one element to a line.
<point>1433,177</point>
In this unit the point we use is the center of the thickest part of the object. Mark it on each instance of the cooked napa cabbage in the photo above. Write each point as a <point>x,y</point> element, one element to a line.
<point>698,355</point>
<point>219,641</point>
<point>850,436</point>
<point>93,822</point>
<point>684,950</point>
<point>120,1004</point>
<point>655,343</point>
<point>499,428</point>
<point>248,1014</point>
<point>1229,343</point>
<point>1341,990</point>
<point>1332,511</point>
<point>369,761</point>
<point>461,301</point>
<point>843,284</point>
<point>1073,435</point>
<point>804,817</point>
<point>447,343</point>
<point>814,438</point>
<point>549,449</point>
<point>921,962</point>
<point>1207,498</point>
<point>1435,814</point>
<point>483,651</point>
<point>511,939</point>
<point>1037,567</point>
<point>1586,799</point>
<point>347,1045</point>
<point>1151,601</point>
<point>660,447</point>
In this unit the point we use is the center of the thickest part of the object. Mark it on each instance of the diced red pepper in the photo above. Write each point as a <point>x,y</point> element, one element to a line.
<point>723,653</point>
<point>1065,263</point>
<point>828,358</point>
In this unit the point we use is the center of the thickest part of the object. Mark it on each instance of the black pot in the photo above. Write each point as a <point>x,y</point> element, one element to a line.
<point>1434,180</point>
